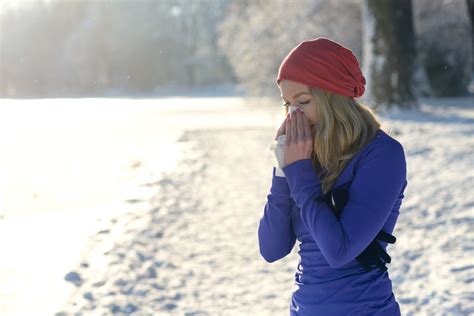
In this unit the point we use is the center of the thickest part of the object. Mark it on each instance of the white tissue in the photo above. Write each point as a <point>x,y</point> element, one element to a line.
<point>277,148</point>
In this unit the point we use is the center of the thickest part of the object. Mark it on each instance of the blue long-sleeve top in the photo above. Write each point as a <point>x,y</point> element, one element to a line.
<point>328,279</point>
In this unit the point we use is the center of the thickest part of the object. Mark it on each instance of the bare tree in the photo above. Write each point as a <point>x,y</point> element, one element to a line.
<point>470,9</point>
<point>389,53</point>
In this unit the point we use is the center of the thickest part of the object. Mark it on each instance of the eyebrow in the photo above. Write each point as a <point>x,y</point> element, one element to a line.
<point>297,95</point>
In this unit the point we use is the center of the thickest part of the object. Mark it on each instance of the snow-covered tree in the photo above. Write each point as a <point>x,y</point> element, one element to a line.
<point>257,35</point>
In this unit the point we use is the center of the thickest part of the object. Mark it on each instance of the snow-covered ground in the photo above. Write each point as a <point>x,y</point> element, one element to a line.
<point>182,240</point>
<point>69,166</point>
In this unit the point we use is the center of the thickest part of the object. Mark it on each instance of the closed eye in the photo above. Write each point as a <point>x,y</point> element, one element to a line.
<point>301,103</point>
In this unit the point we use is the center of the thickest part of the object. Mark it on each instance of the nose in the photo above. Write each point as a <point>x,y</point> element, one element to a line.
<point>293,108</point>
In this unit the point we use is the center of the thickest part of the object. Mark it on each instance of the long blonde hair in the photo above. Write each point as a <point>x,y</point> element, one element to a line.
<point>343,127</point>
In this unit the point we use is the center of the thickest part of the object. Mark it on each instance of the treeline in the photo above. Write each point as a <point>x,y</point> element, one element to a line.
<point>64,48</point>
<point>92,48</point>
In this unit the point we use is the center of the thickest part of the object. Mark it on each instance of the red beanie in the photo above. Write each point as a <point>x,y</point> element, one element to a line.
<point>324,64</point>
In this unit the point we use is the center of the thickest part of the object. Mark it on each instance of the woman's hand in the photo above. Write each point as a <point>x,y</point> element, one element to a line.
<point>299,138</point>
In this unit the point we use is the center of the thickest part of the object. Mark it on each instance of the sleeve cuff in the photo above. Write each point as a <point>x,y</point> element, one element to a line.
<point>279,184</point>
<point>301,175</point>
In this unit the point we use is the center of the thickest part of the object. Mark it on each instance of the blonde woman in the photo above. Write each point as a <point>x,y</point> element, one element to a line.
<point>338,187</point>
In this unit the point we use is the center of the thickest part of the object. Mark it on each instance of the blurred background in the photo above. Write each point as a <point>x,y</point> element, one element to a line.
<point>99,48</point>
<point>134,149</point>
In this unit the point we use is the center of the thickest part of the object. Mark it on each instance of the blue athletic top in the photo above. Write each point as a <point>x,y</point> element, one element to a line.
<point>328,279</point>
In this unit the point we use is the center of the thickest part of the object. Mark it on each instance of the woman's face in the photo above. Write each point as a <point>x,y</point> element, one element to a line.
<point>298,94</point>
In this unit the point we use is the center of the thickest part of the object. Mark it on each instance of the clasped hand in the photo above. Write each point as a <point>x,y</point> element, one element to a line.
<point>299,139</point>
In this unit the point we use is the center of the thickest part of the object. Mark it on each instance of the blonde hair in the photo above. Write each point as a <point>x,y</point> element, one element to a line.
<point>343,127</point>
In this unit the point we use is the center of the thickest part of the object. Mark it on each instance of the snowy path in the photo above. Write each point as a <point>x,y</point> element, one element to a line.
<point>68,166</point>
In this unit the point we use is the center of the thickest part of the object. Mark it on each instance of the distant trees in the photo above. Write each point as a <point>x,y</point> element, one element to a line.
<point>67,48</point>
<point>92,47</point>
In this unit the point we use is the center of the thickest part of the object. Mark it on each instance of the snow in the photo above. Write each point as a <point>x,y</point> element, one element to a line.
<point>180,237</point>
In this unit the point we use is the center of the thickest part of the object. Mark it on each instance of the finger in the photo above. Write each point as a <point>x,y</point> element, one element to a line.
<point>382,254</point>
<point>299,125</point>
<point>294,133</point>
<point>287,131</point>
<point>307,131</point>
<point>386,237</point>
<point>380,265</point>
<point>386,257</point>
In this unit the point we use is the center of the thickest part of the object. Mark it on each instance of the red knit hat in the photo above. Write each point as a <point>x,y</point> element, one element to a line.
<point>324,64</point>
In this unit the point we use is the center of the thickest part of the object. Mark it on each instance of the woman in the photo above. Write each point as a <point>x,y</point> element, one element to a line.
<point>333,143</point>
